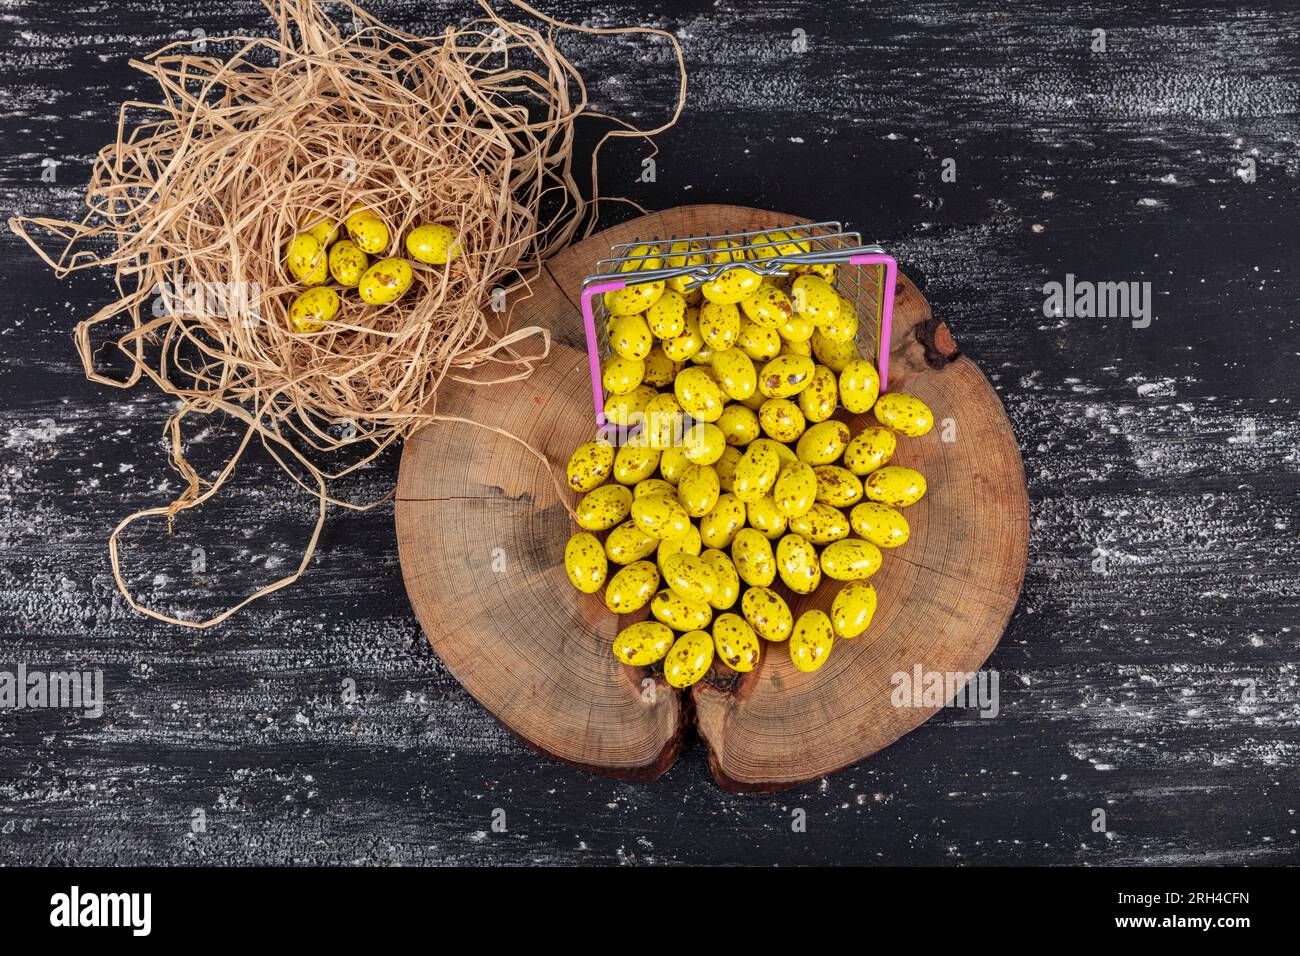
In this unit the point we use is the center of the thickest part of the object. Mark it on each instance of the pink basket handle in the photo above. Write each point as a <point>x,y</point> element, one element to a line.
<point>593,345</point>
<point>886,307</point>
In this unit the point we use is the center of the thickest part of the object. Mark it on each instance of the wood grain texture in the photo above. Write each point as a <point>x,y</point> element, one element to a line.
<point>1121,690</point>
<point>536,653</point>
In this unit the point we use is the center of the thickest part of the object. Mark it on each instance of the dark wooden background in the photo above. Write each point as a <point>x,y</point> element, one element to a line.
<point>1169,452</point>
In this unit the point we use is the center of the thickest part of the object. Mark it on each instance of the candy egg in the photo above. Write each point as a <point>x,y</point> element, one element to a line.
<point>629,336</point>
<point>643,643</point>
<point>385,281</point>
<point>699,395</point>
<point>811,641</point>
<point>726,580</point>
<point>753,556</point>
<point>673,464</point>
<point>796,328</point>
<point>894,485</point>
<point>690,577</point>
<point>850,560</point>
<point>641,258</point>
<point>818,400</point>
<point>822,524</point>
<point>834,355</point>
<point>765,518</point>
<point>311,310</point>
<point>815,299</point>
<point>735,373</point>
<point>633,464</point>
<point>718,528</point>
<point>726,466</point>
<point>739,425</point>
<point>703,443</point>
<point>905,414</point>
<point>348,263</point>
<point>622,375</point>
<point>584,562</point>
<point>798,565</point>
<point>633,298</point>
<point>689,659</point>
<point>698,490</point>
<point>306,257</point>
<point>783,453</point>
<point>433,244</point>
<point>859,386</point>
<point>785,375</point>
<point>667,317</point>
<point>842,328</point>
<point>731,286</point>
<point>604,507</point>
<point>325,231</point>
<point>768,307</point>
<point>880,524</point>
<point>660,516</point>
<point>651,486</point>
<point>632,587</point>
<point>688,543</point>
<point>837,486</point>
<point>681,348</point>
<point>781,419</point>
<point>682,253</point>
<point>759,343</point>
<point>795,489</point>
<point>679,613</point>
<point>767,613</point>
<point>853,608</point>
<point>660,370</point>
<point>869,450</point>
<point>369,232</point>
<point>719,325</point>
<point>589,465</point>
<point>661,421</point>
<point>628,543</point>
<point>627,409</point>
<point>822,443</point>
<point>755,474</point>
<point>735,642</point>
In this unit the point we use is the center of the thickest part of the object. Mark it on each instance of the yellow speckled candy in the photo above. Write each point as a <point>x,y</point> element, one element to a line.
<point>311,310</point>
<point>822,443</point>
<point>823,524</point>
<point>759,343</point>
<point>689,659</point>
<point>667,317</point>
<point>324,231</point>
<point>662,422</point>
<point>837,486</point>
<point>660,370</point>
<point>815,299</point>
<point>738,424</point>
<point>781,419</point>
<point>755,474</point>
<point>765,518</point>
<point>602,508</point>
<point>433,244</point>
<point>795,489</point>
<point>905,414</point>
<point>726,467</point>
<point>630,337</point>
<point>869,450</point>
<point>753,556</point>
<point>584,562</point>
<point>369,232</point>
<point>853,608</point>
<point>690,577</point>
<point>727,581</point>
<point>735,642</point>
<point>796,329</point>
<point>719,325</point>
<point>679,613</point>
<point>660,516</point>
<point>842,328</point>
<point>767,613</point>
<point>627,409</point>
<point>834,355</point>
<point>850,560</point>
<point>589,465</point>
<point>718,528</point>
<point>628,543</point>
<point>307,260</point>
<point>698,490</point>
<point>634,298</point>
<point>634,464</point>
<point>818,400</point>
<point>688,543</point>
<point>798,565</point>
<point>895,485</point>
<point>632,587</point>
<point>883,526</point>
<point>681,348</point>
<point>643,643</point>
<point>673,464</point>
<point>348,263</point>
<point>651,486</point>
<point>811,641</point>
<point>703,443</point>
<point>731,286</point>
<point>622,375</point>
<point>859,386</point>
<point>699,395</point>
<point>785,375</point>
<point>768,307</point>
<point>735,373</point>
<point>386,281</point>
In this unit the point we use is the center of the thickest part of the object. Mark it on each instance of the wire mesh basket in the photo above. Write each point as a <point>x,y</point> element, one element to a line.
<point>864,275</point>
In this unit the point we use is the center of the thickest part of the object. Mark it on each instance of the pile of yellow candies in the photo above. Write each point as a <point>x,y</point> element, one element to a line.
<point>737,473</point>
<point>320,254</point>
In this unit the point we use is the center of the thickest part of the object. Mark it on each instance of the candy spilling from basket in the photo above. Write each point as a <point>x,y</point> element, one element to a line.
<point>724,371</point>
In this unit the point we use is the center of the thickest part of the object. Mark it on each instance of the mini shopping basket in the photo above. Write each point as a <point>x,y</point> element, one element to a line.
<point>864,275</point>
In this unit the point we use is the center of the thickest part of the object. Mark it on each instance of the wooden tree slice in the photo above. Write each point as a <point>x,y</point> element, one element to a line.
<point>481,533</point>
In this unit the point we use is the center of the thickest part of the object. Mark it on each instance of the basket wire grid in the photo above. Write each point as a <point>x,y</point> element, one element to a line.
<point>865,275</point>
